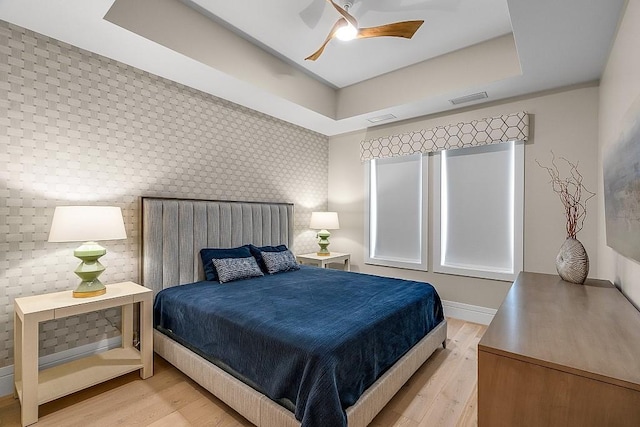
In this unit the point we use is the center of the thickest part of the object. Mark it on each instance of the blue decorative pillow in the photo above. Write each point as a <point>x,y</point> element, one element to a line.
<point>230,269</point>
<point>208,254</point>
<point>278,262</point>
<point>257,250</point>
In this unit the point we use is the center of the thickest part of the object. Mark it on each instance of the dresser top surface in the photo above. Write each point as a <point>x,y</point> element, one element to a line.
<point>589,329</point>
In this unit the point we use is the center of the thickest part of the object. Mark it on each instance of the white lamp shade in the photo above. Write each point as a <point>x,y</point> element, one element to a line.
<point>324,221</point>
<point>87,223</point>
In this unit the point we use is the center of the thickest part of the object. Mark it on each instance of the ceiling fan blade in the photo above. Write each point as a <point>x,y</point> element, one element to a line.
<point>315,55</point>
<point>311,14</point>
<point>404,29</point>
<point>346,15</point>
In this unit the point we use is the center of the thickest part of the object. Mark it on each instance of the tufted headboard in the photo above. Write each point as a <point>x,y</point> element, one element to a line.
<point>174,231</point>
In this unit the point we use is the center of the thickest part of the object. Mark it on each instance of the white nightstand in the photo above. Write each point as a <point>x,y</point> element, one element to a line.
<point>34,388</point>
<point>322,261</point>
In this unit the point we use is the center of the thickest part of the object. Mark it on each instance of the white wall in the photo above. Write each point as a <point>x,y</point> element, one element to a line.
<point>566,122</point>
<point>473,66</point>
<point>619,88</point>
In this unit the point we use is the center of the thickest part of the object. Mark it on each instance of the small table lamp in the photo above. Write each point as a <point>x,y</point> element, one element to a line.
<point>88,224</point>
<point>324,221</point>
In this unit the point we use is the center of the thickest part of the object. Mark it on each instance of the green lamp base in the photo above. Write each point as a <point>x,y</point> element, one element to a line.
<point>323,242</point>
<point>89,270</point>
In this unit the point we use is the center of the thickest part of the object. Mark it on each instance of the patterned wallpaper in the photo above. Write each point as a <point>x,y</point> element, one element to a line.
<point>78,128</point>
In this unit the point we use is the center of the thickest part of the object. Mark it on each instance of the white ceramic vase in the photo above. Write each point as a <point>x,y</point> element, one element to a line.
<point>572,261</point>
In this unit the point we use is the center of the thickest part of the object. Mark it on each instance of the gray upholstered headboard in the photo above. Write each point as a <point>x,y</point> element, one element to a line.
<point>174,231</point>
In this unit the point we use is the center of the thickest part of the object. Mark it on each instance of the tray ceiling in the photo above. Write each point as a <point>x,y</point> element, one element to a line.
<point>251,52</point>
<point>294,29</point>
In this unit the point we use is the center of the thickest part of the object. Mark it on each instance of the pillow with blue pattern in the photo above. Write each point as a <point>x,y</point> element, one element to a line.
<point>208,254</point>
<point>230,269</point>
<point>257,251</point>
<point>279,262</point>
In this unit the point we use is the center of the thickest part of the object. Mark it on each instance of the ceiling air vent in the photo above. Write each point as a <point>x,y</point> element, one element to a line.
<point>469,98</point>
<point>381,118</point>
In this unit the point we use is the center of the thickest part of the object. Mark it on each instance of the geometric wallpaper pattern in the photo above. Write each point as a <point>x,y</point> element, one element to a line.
<point>493,130</point>
<point>79,128</point>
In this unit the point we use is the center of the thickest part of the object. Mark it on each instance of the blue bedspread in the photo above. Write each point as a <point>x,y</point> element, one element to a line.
<point>315,337</point>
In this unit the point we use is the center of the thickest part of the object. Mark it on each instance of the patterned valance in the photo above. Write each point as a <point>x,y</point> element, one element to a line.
<point>493,130</point>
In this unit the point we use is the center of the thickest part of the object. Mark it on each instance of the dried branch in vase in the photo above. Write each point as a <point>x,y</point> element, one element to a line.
<point>571,190</point>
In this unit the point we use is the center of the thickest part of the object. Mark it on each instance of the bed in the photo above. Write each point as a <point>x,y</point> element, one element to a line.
<point>173,233</point>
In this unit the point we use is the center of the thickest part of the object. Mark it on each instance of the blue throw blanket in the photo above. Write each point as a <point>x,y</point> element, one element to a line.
<point>315,337</point>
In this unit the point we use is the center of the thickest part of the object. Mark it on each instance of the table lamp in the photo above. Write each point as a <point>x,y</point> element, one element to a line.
<point>88,224</point>
<point>324,221</point>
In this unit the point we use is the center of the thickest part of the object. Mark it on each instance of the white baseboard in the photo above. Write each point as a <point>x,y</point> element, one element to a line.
<point>6,372</point>
<point>467,312</point>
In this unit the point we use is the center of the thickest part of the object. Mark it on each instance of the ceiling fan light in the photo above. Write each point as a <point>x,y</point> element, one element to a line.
<point>346,33</point>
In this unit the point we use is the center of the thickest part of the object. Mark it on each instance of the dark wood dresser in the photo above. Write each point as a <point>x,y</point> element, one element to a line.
<point>560,354</point>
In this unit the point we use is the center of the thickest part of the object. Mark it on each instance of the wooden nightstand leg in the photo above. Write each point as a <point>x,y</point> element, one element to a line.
<point>127,326</point>
<point>17,352</point>
<point>29,371</point>
<point>347,264</point>
<point>146,339</point>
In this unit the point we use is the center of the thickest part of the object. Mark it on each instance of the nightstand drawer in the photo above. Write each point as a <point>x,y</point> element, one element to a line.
<point>92,306</point>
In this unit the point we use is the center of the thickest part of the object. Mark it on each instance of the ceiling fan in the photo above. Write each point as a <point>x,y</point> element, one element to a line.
<point>346,28</point>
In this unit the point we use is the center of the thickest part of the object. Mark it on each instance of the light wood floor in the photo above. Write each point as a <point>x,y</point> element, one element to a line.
<point>443,392</point>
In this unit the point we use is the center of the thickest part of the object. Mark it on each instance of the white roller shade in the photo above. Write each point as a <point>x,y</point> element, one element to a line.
<point>479,222</point>
<point>396,220</point>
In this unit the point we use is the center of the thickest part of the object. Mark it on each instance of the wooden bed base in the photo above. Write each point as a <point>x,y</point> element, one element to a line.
<point>263,412</point>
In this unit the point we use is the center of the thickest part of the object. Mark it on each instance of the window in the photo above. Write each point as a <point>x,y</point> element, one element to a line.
<point>478,212</point>
<point>396,212</point>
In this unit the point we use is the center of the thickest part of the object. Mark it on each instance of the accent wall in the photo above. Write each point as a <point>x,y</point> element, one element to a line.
<point>79,128</point>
